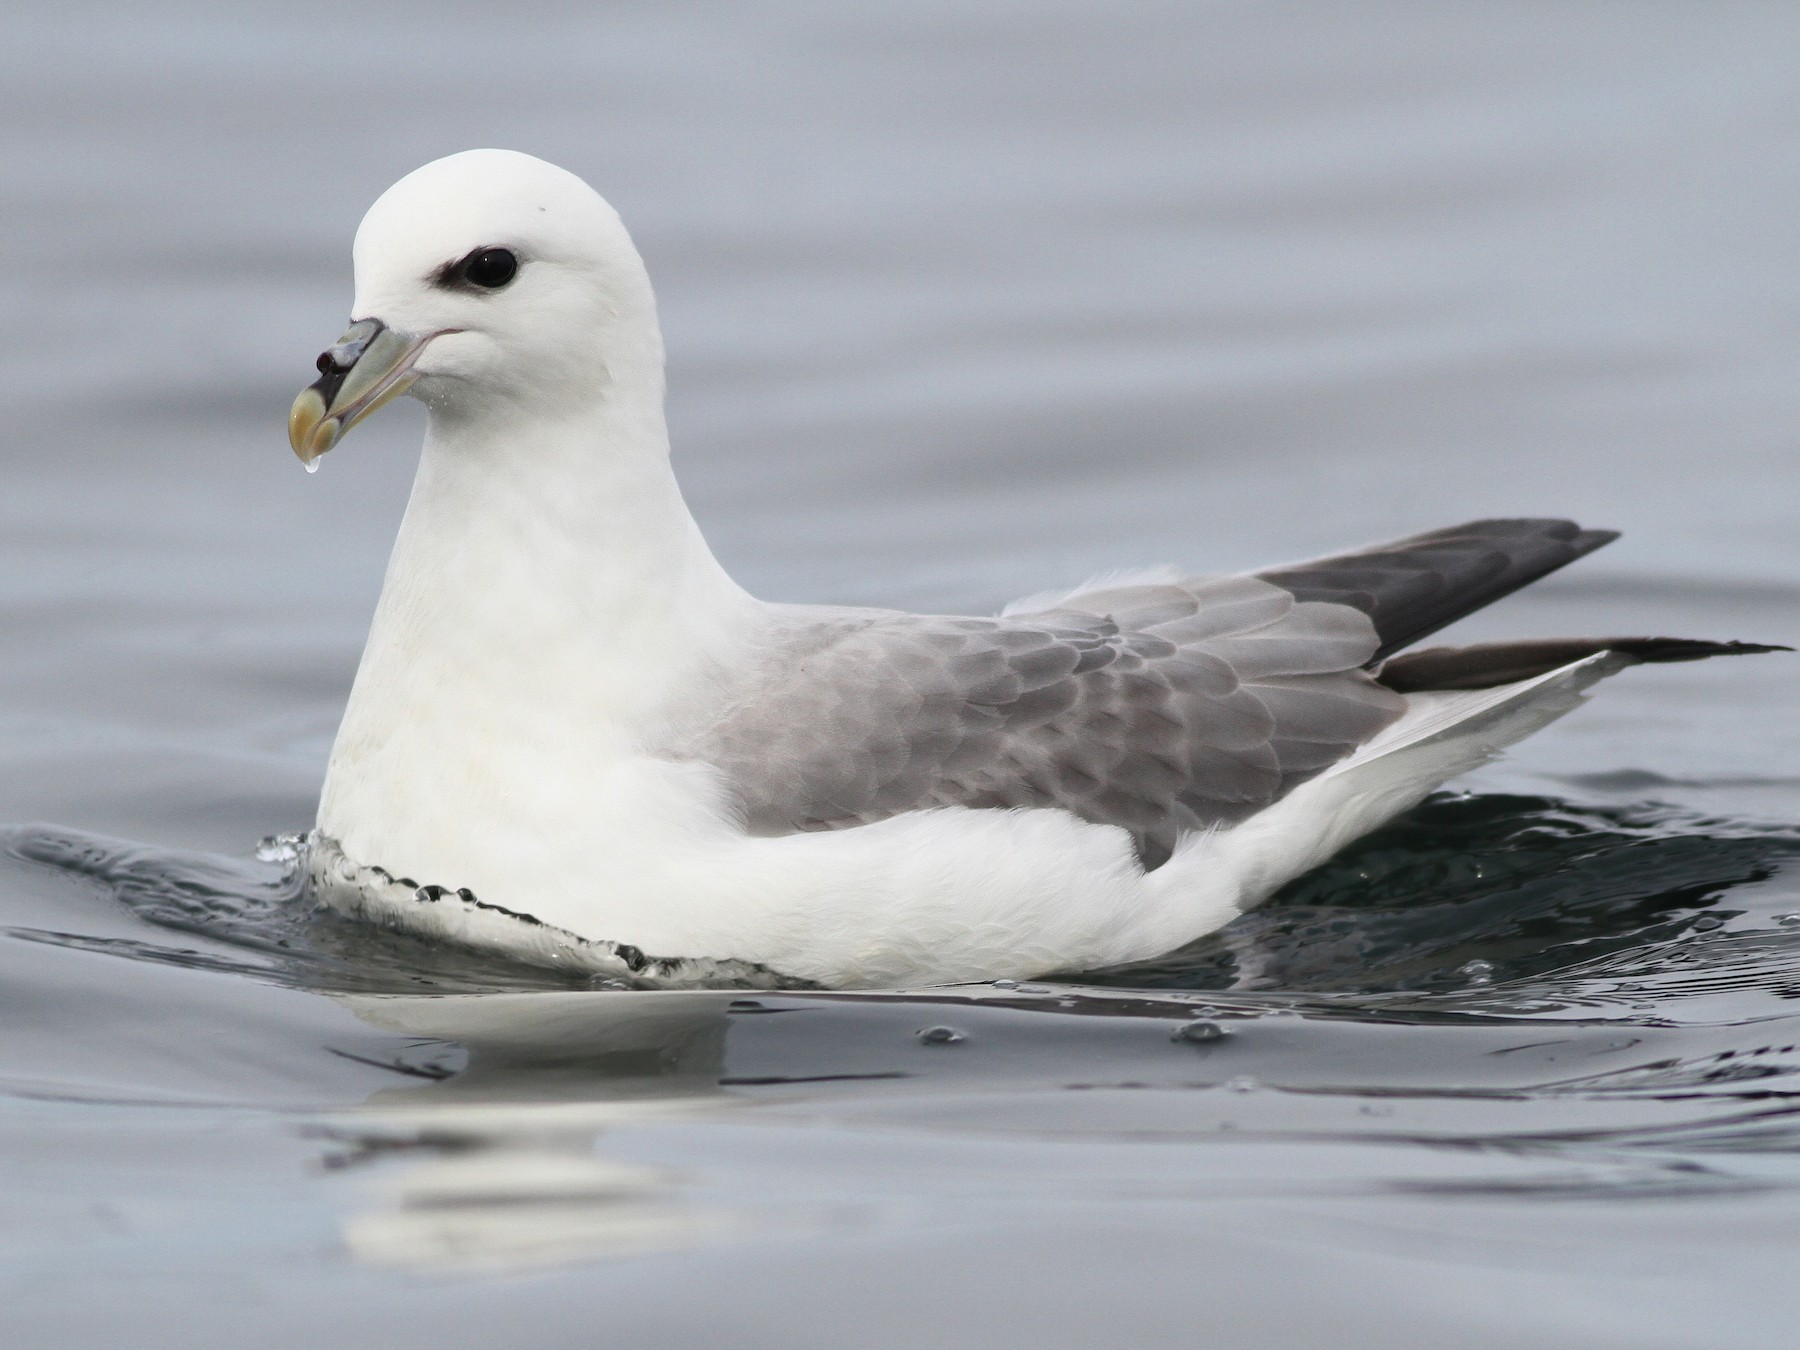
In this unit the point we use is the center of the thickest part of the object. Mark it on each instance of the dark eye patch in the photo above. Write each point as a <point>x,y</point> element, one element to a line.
<point>486,269</point>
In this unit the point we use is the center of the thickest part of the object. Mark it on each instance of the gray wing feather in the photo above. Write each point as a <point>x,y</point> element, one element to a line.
<point>1161,707</point>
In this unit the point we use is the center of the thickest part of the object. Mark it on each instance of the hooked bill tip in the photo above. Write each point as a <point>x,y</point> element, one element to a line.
<point>310,431</point>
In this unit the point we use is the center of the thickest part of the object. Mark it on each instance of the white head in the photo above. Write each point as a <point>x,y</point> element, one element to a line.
<point>487,282</point>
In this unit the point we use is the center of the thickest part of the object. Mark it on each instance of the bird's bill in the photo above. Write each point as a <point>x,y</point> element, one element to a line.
<point>365,369</point>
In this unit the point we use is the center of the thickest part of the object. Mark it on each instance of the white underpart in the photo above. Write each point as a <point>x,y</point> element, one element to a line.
<point>654,859</point>
<point>551,610</point>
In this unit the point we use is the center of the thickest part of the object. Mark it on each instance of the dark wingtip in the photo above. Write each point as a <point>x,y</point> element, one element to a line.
<point>1494,663</point>
<point>1586,541</point>
<point>1696,649</point>
<point>1571,534</point>
<point>1412,587</point>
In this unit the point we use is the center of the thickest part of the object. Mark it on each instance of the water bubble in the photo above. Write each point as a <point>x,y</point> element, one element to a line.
<point>1707,922</point>
<point>1477,972</point>
<point>941,1036</point>
<point>1006,984</point>
<point>279,848</point>
<point>1200,1033</point>
<point>1242,1083</point>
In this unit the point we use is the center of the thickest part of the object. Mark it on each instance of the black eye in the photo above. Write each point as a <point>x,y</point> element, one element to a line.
<point>489,268</point>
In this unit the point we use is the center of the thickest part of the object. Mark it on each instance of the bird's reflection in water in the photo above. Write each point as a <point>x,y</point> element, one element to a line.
<point>503,1164</point>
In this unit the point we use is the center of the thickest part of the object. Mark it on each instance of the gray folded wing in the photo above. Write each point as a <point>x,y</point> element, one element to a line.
<point>1160,707</point>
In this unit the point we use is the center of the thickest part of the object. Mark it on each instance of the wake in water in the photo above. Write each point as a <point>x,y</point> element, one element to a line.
<point>1500,904</point>
<point>1497,995</point>
<point>1470,895</point>
<point>253,917</point>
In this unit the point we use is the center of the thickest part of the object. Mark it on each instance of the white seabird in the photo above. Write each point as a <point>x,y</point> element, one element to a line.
<point>574,738</point>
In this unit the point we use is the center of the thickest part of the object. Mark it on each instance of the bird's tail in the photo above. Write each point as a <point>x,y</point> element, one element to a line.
<point>1441,735</point>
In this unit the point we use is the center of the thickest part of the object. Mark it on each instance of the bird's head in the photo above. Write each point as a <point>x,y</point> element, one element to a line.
<point>488,280</point>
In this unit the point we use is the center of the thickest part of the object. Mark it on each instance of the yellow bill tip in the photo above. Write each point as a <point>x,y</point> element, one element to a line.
<point>310,430</point>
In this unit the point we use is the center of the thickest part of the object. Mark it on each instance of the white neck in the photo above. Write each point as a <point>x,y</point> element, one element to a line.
<point>545,567</point>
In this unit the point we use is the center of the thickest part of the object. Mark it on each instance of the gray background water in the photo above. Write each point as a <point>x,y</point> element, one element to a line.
<point>961,302</point>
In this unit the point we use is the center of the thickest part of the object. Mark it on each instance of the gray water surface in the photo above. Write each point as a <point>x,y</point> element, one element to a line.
<point>962,303</point>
